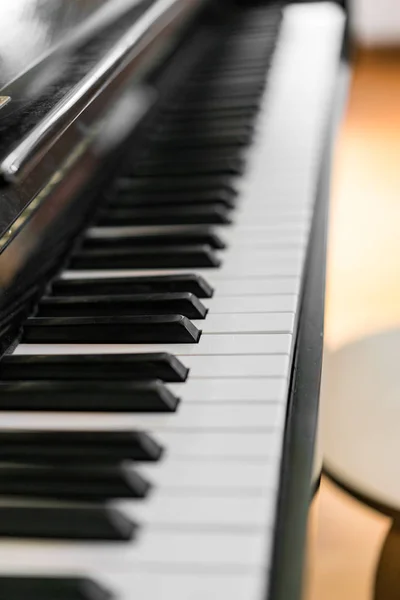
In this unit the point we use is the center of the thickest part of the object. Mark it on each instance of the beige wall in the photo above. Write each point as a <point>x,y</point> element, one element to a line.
<point>376,22</point>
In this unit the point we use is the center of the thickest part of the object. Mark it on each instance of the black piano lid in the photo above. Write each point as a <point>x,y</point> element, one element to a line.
<point>50,47</point>
<point>33,30</point>
<point>69,143</point>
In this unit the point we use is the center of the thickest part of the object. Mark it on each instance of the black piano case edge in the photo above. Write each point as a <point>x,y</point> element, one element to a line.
<point>300,474</point>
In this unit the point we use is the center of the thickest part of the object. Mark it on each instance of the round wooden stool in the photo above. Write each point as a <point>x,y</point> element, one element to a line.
<point>360,410</point>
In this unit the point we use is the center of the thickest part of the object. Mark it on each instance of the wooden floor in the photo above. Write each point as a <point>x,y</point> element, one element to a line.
<point>363,296</point>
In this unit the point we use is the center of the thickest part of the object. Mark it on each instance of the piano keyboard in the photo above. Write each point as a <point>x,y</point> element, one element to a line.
<point>150,388</point>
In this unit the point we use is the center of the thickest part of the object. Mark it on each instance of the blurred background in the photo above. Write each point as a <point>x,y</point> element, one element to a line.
<point>363,284</point>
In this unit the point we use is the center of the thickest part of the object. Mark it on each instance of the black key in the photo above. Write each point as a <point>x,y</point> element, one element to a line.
<point>176,184</point>
<point>143,257</point>
<point>230,166</point>
<point>26,587</point>
<point>159,153</point>
<point>153,329</point>
<point>66,523</point>
<point>87,396</point>
<point>233,139</point>
<point>72,483</point>
<point>219,91</point>
<point>209,124</point>
<point>190,215</point>
<point>225,80</point>
<point>106,367</point>
<point>246,101</point>
<point>200,236</point>
<point>75,447</point>
<point>134,285</point>
<point>171,200</point>
<point>203,197</point>
<point>139,304</point>
<point>190,116</point>
<point>219,158</point>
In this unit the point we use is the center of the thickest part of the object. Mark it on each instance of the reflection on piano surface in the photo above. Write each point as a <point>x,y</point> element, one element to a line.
<point>163,209</point>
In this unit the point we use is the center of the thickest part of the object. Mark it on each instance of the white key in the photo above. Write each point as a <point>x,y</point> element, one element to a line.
<point>162,510</point>
<point>190,416</point>
<point>209,344</point>
<point>226,477</point>
<point>256,287</point>
<point>252,304</point>
<point>236,389</point>
<point>247,323</point>
<point>219,444</point>
<point>237,365</point>
<point>167,585</point>
<point>209,416</point>
<point>212,550</point>
<point>251,214</point>
<point>174,583</point>
<point>283,268</point>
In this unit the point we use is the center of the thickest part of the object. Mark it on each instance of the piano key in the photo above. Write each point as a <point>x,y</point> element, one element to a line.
<point>242,102</point>
<point>187,117</point>
<point>158,153</point>
<point>241,263</point>
<point>273,262</point>
<point>71,285</point>
<point>222,90</point>
<point>198,82</point>
<point>200,236</point>
<point>204,199</point>
<point>237,365</point>
<point>191,416</point>
<point>72,483</point>
<point>234,389</point>
<point>114,354</point>
<point>193,284</point>
<point>145,257</point>
<point>247,323</point>
<point>196,215</point>
<point>61,446</point>
<point>249,269</point>
<point>143,329</point>
<point>207,416</point>
<point>68,523</point>
<point>176,184</point>
<point>129,367</point>
<point>167,585</point>
<point>180,548</point>
<point>192,127</point>
<point>23,587</point>
<point>256,444</point>
<point>235,235</point>
<point>234,138</point>
<point>230,513</point>
<point>252,304</point>
<point>224,445</point>
<point>185,304</point>
<point>258,287</point>
<point>116,396</point>
<point>185,167</point>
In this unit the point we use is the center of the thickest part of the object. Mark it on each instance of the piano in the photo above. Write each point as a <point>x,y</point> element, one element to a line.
<point>164,179</point>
